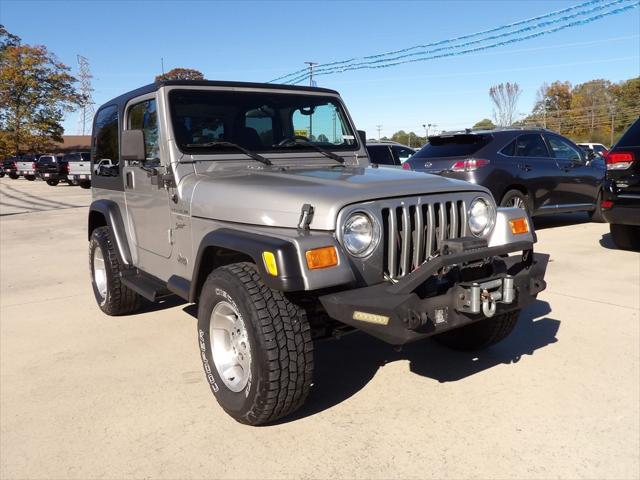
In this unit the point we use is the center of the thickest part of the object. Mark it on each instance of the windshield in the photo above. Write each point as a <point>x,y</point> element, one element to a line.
<point>258,121</point>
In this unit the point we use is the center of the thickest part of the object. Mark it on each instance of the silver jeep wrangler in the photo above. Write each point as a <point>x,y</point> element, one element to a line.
<point>258,203</point>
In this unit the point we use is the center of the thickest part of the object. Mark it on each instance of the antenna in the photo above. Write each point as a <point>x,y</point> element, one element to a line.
<point>86,102</point>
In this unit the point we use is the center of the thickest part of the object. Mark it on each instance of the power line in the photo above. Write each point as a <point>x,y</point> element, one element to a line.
<point>455,39</point>
<point>403,60</point>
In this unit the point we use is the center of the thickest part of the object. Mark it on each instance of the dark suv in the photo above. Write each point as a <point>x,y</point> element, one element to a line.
<point>52,169</point>
<point>621,193</point>
<point>389,153</point>
<point>534,169</point>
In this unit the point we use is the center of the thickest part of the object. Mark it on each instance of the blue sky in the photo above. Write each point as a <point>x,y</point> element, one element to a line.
<point>258,41</point>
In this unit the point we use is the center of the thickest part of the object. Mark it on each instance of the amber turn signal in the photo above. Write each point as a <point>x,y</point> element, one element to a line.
<point>519,226</point>
<point>323,257</point>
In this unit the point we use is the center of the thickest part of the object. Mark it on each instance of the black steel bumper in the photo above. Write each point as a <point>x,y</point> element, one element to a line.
<point>447,292</point>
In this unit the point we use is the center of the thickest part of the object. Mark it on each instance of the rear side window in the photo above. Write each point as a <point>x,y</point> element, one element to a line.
<point>530,145</point>
<point>453,146</point>
<point>402,154</point>
<point>380,154</point>
<point>105,140</point>
<point>631,137</point>
<point>45,160</point>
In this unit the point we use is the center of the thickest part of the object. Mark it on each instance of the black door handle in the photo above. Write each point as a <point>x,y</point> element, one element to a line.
<point>525,167</point>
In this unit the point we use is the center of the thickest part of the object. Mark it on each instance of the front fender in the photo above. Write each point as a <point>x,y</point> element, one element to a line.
<point>502,233</point>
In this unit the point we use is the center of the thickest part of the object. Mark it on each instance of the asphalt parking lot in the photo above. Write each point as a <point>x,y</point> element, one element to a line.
<point>83,395</point>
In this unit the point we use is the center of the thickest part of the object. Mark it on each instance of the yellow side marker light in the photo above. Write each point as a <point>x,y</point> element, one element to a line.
<point>323,257</point>
<point>519,226</point>
<point>270,263</point>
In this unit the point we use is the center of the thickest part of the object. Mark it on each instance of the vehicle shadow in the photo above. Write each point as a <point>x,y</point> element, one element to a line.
<point>364,355</point>
<point>560,220</point>
<point>607,242</point>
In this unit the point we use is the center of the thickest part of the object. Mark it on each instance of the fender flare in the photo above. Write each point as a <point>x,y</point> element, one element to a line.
<point>113,218</point>
<point>290,277</point>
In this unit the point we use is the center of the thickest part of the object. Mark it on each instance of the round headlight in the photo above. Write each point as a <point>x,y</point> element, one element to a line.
<point>481,217</point>
<point>360,234</point>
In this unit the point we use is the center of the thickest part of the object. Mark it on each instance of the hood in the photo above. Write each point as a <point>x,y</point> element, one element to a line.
<point>273,197</point>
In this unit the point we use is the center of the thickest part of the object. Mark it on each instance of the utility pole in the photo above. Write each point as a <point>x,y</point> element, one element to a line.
<point>162,65</point>
<point>544,116</point>
<point>409,140</point>
<point>613,116</point>
<point>379,128</point>
<point>426,132</point>
<point>311,65</point>
<point>86,105</point>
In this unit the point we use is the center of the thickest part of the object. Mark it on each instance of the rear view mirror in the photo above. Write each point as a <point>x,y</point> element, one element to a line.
<point>363,136</point>
<point>132,145</point>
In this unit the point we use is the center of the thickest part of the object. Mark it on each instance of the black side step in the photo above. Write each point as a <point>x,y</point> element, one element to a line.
<point>145,285</point>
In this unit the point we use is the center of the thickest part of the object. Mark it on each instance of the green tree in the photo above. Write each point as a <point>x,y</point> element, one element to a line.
<point>408,138</point>
<point>484,124</point>
<point>36,90</point>
<point>181,74</point>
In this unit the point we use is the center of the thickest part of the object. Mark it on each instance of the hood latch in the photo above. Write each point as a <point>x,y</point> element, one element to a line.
<point>306,216</point>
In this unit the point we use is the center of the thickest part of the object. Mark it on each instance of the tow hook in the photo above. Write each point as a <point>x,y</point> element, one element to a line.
<point>484,297</point>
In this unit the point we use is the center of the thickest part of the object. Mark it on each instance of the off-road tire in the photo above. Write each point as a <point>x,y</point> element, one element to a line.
<point>481,334</point>
<point>511,194</point>
<point>280,343</point>
<point>596,214</point>
<point>119,300</point>
<point>85,184</point>
<point>626,237</point>
<point>53,183</point>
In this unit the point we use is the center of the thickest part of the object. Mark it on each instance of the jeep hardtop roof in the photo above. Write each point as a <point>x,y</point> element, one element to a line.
<point>152,87</point>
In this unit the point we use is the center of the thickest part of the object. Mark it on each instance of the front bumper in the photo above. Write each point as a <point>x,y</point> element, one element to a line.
<point>447,292</point>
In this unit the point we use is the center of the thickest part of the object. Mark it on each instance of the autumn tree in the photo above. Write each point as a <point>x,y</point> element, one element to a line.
<point>36,90</point>
<point>181,74</point>
<point>484,124</point>
<point>552,104</point>
<point>505,100</point>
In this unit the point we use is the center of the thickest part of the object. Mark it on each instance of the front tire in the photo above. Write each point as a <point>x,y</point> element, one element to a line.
<point>481,334</point>
<point>626,237</point>
<point>112,296</point>
<point>255,346</point>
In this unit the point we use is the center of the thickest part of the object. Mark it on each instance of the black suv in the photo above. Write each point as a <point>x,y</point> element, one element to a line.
<point>389,153</point>
<point>52,169</point>
<point>534,169</point>
<point>621,197</point>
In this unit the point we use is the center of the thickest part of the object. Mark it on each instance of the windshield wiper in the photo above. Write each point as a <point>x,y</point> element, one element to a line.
<point>248,153</point>
<point>318,149</point>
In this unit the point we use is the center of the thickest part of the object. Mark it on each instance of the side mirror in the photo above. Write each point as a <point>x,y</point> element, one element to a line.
<point>132,148</point>
<point>363,137</point>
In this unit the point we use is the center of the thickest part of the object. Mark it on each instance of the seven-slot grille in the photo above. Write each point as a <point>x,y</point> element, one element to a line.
<point>413,230</point>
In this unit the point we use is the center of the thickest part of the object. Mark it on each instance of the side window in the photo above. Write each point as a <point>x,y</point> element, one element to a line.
<point>380,154</point>
<point>402,154</point>
<point>562,149</point>
<point>144,116</point>
<point>509,150</point>
<point>105,142</point>
<point>531,145</point>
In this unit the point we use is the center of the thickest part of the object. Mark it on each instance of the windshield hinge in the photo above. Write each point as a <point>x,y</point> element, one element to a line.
<point>306,216</point>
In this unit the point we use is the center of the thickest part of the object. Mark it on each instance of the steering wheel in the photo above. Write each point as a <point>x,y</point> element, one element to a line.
<point>293,139</point>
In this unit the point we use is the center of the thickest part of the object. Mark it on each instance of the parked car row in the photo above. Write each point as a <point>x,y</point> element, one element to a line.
<point>72,168</point>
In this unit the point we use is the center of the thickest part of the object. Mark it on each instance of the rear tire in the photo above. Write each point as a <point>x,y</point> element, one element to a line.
<point>626,237</point>
<point>271,330</point>
<point>481,334</point>
<point>85,184</point>
<point>13,176</point>
<point>112,296</point>
<point>1,174</point>
<point>515,198</point>
<point>31,178</point>
<point>53,183</point>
